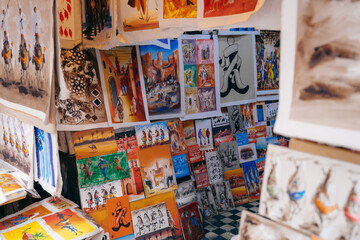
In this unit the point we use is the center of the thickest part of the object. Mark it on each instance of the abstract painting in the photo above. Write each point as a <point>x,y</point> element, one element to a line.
<point>180,9</point>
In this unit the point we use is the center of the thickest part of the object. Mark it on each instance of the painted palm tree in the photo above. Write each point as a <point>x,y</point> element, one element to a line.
<point>142,7</point>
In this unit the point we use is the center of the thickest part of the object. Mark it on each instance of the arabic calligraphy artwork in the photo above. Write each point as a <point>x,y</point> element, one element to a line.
<point>237,68</point>
<point>217,8</point>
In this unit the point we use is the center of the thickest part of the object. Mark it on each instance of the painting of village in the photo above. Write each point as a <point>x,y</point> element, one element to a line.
<point>161,76</point>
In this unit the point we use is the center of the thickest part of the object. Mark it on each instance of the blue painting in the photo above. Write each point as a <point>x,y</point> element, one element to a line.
<point>181,166</point>
<point>44,156</point>
<point>252,181</point>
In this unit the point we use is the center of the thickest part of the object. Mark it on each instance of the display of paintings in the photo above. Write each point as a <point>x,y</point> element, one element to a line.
<point>17,145</point>
<point>94,198</point>
<point>223,196</point>
<point>157,170</point>
<point>177,137</point>
<point>181,166</point>
<point>253,226</point>
<point>312,193</point>
<point>179,9</point>
<point>236,119</point>
<point>252,181</point>
<point>204,134</point>
<point>247,112</point>
<point>95,142</point>
<point>214,167</point>
<point>98,22</point>
<point>79,100</point>
<point>26,231</point>
<point>268,61</point>
<point>199,73</point>
<point>191,222</point>
<point>152,134</point>
<point>185,193</point>
<point>189,132</point>
<point>27,65</point>
<point>237,68</point>
<point>120,222</point>
<point>126,141</point>
<point>206,202</point>
<point>171,216</point>
<point>9,184</point>
<point>133,186</point>
<point>221,8</point>
<point>194,153</point>
<point>102,169</point>
<point>120,77</point>
<point>229,155</point>
<point>247,152</point>
<point>160,71</point>
<point>320,100</point>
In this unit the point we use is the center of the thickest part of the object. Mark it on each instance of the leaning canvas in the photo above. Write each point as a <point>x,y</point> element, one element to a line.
<point>319,97</point>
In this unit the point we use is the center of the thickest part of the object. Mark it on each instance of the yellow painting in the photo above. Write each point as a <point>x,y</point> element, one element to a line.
<point>180,9</point>
<point>32,230</point>
<point>8,183</point>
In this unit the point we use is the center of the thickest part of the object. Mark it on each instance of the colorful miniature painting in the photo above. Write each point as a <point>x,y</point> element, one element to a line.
<point>124,93</point>
<point>59,203</point>
<point>247,152</point>
<point>191,222</point>
<point>194,153</point>
<point>252,180</point>
<point>29,231</point>
<point>202,180</point>
<point>177,138</point>
<point>235,177</point>
<point>204,51</point>
<point>9,184</point>
<point>223,195</point>
<point>152,134</point>
<point>160,69</point>
<point>171,214</point>
<point>102,169</point>
<point>180,9</point>
<point>94,142</point>
<point>260,164</point>
<point>126,141</point>
<point>68,224</point>
<point>219,8</point>
<point>221,129</point>
<point>157,170</point>
<point>247,112</point>
<point>120,222</point>
<point>139,15</point>
<point>190,76</point>
<point>204,134</point>
<point>192,100</point>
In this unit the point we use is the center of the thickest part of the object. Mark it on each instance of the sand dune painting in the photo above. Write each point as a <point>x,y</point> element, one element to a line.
<point>326,74</point>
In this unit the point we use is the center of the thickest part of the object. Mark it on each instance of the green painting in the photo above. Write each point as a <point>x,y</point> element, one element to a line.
<point>102,169</point>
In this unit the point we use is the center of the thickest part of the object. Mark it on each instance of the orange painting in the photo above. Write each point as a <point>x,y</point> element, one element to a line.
<point>180,9</point>
<point>68,224</point>
<point>218,8</point>
<point>94,142</point>
<point>240,195</point>
<point>235,177</point>
<point>119,216</point>
<point>173,215</point>
<point>100,216</point>
<point>8,183</point>
<point>32,230</point>
<point>139,15</point>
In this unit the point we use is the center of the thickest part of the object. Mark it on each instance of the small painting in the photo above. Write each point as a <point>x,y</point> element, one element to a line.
<point>126,141</point>
<point>119,214</point>
<point>189,132</point>
<point>180,9</point>
<point>177,138</point>
<point>220,8</point>
<point>252,181</point>
<point>152,134</point>
<point>204,134</point>
<point>191,222</point>
<point>235,177</point>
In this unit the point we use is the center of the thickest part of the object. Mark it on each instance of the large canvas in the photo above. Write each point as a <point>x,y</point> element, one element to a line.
<point>95,142</point>
<point>199,73</point>
<point>27,53</point>
<point>191,222</point>
<point>179,9</point>
<point>320,97</point>
<point>237,68</point>
<point>219,8</point>
<point>171,214</point>
<point>152,134</point>
<point>157,170</point>
<point>124,92</point>
<point>312,193</point>
<point>102,169</point>
<point>79,100</point>
<point>160,71</point>
<point>268,62</point>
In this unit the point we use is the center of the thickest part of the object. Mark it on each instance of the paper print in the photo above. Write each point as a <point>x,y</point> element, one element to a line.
<point>252,181</point>
<point>120,221</point>
<point>180,9</point>
<point>68,224</point>
<point>235,177</point>
<point>31,230</point>
<point>322,79</point>
<point>194,153</point>
<point>236,119</point>
<point>133,186</point>
<point>160,70</point>
<point>214,167</point>
<point>229,155</point>
<point>268,61</point>
<point>237,69</point>
<point>204,134</point>
<point>206,202</point>
<point>138,15</point>
<point>247,152</point>
<point>66,19</point>
<point>223,198</point>
<point>157,170</point>
<point>102,169</point>
<point>88,144</point>
<point>177,138</point>
<point>189,132</point>
<point>202,180</point>
<point>152,134</point>
<point>124,92</point>
<point>58,203</point>
<point>126,141</point>
<point>222,134</point>
<point>27,56</point>
<point>240,195</point>
<point>218,8</point>
<point>9,184</point>
<point>181,166</point>
<point>185,193</point>
<point>171,213</point>
<point>191,222</point>
<point>247,112</point>
<point>271,109</point>
<point>97,21</point>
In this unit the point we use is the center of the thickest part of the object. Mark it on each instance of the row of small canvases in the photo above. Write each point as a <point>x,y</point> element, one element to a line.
<point>51,218</point>
<point>196,168</point>
<point>105,23</point>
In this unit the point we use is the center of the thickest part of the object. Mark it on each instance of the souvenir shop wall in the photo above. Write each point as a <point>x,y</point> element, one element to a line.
<point>143,119</point>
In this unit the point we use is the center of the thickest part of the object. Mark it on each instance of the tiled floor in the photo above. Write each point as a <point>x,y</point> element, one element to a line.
<point>226,224</point>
